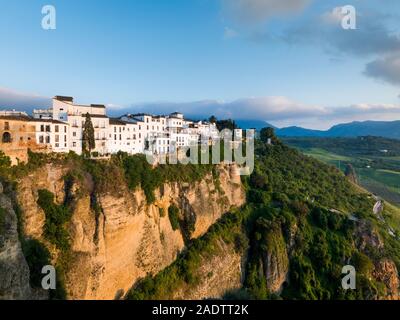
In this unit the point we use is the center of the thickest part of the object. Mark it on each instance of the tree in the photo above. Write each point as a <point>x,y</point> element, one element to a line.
<point>5,161</point>
<point>351,173</point>
<point>266,134</point>
<point>88,142</point>
<point>212,119</point>
<point>226,124</point>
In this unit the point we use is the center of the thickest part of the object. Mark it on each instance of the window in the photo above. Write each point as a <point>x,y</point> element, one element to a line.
<point>48,129</point>
<point>6,137</point>
<point>48,139</point>
<point>65,129</point>
<point>74,134</point>
<point>74,144</point>
<point>7,126</point>
<point>57,129</point>
<point>41,139</point>
<point>57,138</point>
<point>42,128</point>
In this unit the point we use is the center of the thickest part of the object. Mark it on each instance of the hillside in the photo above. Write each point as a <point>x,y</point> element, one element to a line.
<point>388,129</point>
<point>302,223</point>
<point>376,160</point>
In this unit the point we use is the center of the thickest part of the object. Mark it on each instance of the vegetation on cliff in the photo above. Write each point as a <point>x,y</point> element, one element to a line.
<point>303,222</point>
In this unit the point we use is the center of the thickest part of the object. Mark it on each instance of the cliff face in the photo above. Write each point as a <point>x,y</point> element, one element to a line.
<point>218,274</point>
<point>111,248</point>
<point>275,261</point>
<point>14,271</point>
<point>385,270</point>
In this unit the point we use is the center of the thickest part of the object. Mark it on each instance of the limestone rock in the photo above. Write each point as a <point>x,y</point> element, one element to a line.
<point>129,238</point>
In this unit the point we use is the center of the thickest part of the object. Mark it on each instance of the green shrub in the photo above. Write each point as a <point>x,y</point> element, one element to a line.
<point>139,173</point>
<point>173,214</point>
<point>5,161</point>
<point>362,263</point>
<point>2,221</point>
<point>37,256</point>
<point>56,217</point>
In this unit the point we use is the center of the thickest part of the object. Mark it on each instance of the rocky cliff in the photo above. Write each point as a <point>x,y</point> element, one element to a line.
<point>123,238</point>
<point>14,271</point>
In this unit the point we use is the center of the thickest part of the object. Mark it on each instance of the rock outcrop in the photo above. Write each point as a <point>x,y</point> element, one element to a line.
<point>275,260</point>
<point>14,271</point>
<point>219,274</point>
<point>125,238</point>
<point>386,272</point>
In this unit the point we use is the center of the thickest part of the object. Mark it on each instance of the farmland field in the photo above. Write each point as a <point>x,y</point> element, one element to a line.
<point>377,171</point>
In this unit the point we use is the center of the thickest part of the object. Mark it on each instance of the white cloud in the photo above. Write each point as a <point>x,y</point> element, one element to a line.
<point>334,17</point>
<point>255,11</point>
<point>230,33</point>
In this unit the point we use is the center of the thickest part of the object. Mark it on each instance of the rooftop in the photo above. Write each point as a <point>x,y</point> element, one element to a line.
<point>98,106</point>
<point>117,122</point>
<point>27,118</point>
<point>64,98</point>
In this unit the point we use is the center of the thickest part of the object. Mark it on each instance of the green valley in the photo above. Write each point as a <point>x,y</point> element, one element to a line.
<point>376,160</point>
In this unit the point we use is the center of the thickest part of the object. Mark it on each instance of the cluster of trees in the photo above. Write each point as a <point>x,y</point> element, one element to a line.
<point>56,218</point>
<point>223,124</point>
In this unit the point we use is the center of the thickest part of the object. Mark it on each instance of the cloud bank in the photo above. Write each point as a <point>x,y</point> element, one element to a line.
<point>278,110</point>
<point>386,69</point>
<point>11,99</point>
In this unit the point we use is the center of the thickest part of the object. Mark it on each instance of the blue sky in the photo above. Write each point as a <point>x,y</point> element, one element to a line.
<point>283,61</point>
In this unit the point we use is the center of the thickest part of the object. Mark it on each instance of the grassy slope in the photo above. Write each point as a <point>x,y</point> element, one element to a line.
<point>383,182</point>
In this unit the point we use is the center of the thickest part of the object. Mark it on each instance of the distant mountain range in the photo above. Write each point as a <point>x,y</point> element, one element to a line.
<point>253,124</point>
<point>387,129</point>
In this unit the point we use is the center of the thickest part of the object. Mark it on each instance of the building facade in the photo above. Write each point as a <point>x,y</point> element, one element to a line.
<point>60,129</point>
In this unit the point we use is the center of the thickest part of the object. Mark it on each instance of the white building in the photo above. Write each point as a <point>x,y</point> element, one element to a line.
<point>61,129</point>
<point>124,136</point>
<point>53,134</point>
